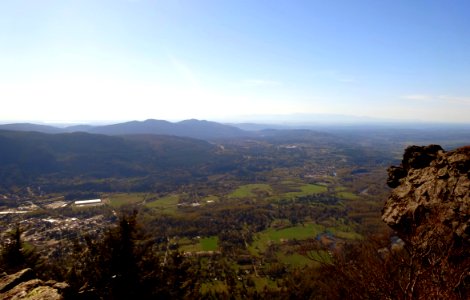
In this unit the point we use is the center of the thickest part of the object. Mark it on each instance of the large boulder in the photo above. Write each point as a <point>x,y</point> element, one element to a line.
<point>432,189</point>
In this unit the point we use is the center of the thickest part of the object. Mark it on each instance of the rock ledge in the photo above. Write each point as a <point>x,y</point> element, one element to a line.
<point>431,190</point>
<point>24,285</point>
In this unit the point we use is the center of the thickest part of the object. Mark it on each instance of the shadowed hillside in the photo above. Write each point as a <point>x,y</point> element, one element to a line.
<point>76,158</point>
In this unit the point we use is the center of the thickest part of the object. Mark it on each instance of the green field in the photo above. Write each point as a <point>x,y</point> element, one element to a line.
<point>210,243</point>
<point>286,190</point>
<point>271,235</point>
<point>347,196</point>
<point>251,190</point>
<point>305,190</point>
<point>168,204</point>
<point>120,199</point>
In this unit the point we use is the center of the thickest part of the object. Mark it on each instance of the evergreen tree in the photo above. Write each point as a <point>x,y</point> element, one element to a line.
<point>14,255</point>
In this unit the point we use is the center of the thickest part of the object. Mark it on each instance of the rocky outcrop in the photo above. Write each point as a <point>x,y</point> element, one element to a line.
<point>429,208</point>
<point>23,285</point>
<point>431,187</point>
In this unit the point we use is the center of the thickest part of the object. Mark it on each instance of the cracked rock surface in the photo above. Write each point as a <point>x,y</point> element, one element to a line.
<point>431,186</point>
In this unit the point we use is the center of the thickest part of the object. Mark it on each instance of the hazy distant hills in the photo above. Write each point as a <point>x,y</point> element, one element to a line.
<point>189,128</point>
<point>31,127</point>
<point>198,129</point>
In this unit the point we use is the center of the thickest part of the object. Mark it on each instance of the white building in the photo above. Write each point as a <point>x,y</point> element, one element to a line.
<point>92,202</point>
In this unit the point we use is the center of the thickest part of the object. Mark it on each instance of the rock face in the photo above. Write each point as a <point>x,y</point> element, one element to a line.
<point>431,193</point>
<point>23,285</point>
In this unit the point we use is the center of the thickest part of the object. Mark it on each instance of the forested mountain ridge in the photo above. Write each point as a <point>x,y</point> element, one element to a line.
<point>31,127</point>
<point>49,159</point>
<point>199,129</point>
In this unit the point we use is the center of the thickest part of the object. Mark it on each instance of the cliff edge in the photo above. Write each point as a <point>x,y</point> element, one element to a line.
<point>429,209</point>
<point>431,189</point>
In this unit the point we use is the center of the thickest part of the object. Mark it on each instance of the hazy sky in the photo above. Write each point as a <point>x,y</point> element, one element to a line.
<point>135,59</point>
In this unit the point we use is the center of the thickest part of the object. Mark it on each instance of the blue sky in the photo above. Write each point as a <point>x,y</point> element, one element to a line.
<point>89,60</point>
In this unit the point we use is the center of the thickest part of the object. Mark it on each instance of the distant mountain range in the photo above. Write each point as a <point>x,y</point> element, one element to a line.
<point>156,154</point>
<point>197,129</point>
<point>32,127</point>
